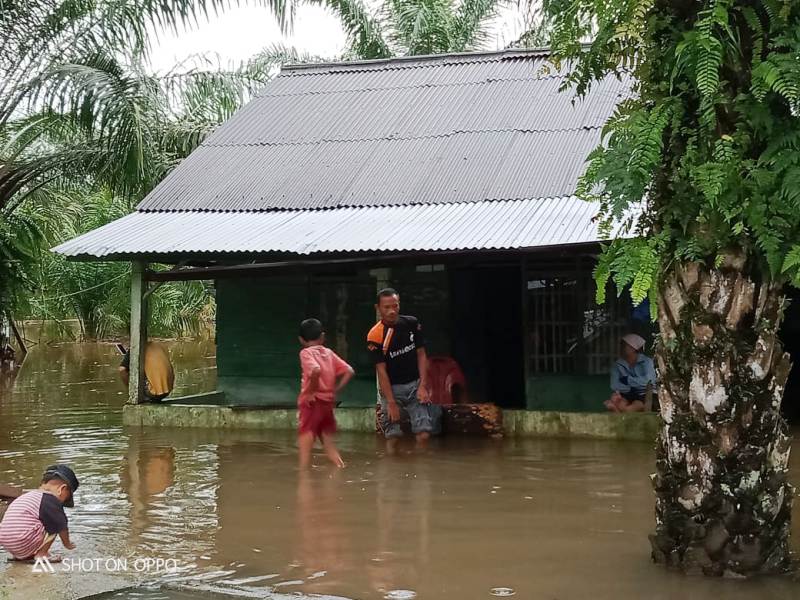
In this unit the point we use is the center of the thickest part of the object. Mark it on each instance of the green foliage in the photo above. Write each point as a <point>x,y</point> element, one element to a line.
<point>85,132</point>
<point>414,27</point>
<point>112,120</point>
<point>632,265</point>
<point>39,36</point>
<point>98,294</point>
<point>364,29</point>
<point>20,238</point>
<point>792,264</point>
<point>115,135</point>
<point>710,138</point>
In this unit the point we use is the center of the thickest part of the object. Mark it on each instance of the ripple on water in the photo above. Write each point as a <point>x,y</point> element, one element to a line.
<point>400,595</point>
<point>209,498</point>
<point>502,592</point>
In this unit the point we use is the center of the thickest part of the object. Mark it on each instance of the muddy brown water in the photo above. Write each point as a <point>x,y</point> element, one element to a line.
<point>228,514</point>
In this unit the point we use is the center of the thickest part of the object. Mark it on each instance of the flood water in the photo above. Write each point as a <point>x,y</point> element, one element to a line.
<point>470,519</point>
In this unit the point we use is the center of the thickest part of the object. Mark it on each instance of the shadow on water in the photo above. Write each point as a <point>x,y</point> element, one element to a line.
<point>233,517</point>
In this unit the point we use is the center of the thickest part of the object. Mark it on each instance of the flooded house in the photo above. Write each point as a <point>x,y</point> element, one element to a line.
<point>451,178</point>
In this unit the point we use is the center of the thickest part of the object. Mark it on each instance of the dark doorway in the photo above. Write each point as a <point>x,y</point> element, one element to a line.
<point>790,336</point>
<point>487,340</point>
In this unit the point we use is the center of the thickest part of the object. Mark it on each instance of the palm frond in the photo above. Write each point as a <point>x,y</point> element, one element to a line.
<point>470,26</point>
<point>364,30</point>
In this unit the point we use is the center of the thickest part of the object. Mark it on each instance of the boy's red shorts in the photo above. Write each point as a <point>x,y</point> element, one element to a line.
<point>317,418</point>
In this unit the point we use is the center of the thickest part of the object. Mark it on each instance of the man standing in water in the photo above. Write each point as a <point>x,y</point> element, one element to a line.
<point>397,347</point>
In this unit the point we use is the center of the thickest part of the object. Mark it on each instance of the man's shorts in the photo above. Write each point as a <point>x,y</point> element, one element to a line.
<point>641,395</point>
<point>317,419</point>
<point>424,418</point>
<point>633,395</point>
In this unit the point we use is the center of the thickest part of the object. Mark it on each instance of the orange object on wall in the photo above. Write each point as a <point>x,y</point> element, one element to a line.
<point>446,381</point>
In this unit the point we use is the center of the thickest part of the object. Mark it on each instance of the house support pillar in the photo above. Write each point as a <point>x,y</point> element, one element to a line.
<point>138,333</point>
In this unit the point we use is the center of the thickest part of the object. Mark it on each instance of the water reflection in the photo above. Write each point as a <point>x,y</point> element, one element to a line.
<point>321,544</point>
<point>65,406</point>
<point>147,473</point>
<point>469,519</point>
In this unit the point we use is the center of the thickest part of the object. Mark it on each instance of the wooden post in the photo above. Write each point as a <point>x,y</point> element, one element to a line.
<point>138,333</point>
<point>526,332</point>
<point>20,340</point>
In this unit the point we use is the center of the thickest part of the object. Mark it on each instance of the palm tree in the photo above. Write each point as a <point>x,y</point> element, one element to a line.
<point>116,151</point>
<point>77,107</point>
<point>414,27</point>
<point>97,293</point>
<point>61,58</point>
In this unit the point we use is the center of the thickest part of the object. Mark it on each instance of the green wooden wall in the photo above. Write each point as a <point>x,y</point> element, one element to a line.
<point>257,323</point>
<point>258,318</point>
<point>257,347</point>
<point>568,393</point>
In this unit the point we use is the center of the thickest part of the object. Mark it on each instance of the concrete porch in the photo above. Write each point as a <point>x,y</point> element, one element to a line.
<point>192,412</point>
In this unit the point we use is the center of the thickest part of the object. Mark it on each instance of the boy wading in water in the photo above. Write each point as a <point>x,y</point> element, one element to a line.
<point>324,374</point>
<point>33,520</point>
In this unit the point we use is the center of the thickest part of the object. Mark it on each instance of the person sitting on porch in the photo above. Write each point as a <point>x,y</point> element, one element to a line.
<point>633,376</point>
<point>159,377</point>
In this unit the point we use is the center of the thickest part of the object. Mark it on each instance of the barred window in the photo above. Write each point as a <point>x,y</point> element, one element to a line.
<point>567,331</point>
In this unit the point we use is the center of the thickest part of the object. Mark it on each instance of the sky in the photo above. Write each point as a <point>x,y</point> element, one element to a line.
<point>241,32</point>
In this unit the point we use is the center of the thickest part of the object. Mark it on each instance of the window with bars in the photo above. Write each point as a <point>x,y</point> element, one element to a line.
<point>567,331</point>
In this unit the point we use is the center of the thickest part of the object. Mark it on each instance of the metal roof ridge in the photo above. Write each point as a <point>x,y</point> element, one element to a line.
<point>349,207</point>
<point>387,138</point>
<point>315,92</point>
<point>404,60</point>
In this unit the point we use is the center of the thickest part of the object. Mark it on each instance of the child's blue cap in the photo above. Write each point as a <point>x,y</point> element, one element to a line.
<point>67,475</point>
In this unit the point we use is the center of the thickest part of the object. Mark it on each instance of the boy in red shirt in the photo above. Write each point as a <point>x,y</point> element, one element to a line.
<point>32,521</point>
<point>324,374</point>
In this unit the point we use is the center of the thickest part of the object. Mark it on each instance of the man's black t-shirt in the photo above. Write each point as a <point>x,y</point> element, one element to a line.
<point>397,346</point>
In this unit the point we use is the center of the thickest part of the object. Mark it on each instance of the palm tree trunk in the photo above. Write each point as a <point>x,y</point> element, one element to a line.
<point>723,503</point>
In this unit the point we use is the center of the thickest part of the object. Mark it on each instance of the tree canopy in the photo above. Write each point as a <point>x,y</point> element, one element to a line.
<point>82,117</point>
<point>709,139</point>
<point>414,27</point>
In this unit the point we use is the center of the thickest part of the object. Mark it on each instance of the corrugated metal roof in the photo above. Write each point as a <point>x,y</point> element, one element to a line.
<point>442,129</point>
<point>500,225</point>
<point>442,153</point>
<point>462,167</point>
<point>415,112</point>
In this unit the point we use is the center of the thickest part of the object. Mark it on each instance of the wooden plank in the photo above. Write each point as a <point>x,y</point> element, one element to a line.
<point>550,261</point>
<point>138,333</point>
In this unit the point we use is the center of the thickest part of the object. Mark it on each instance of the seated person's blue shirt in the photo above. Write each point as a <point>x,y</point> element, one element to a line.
<point>626,379</point>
